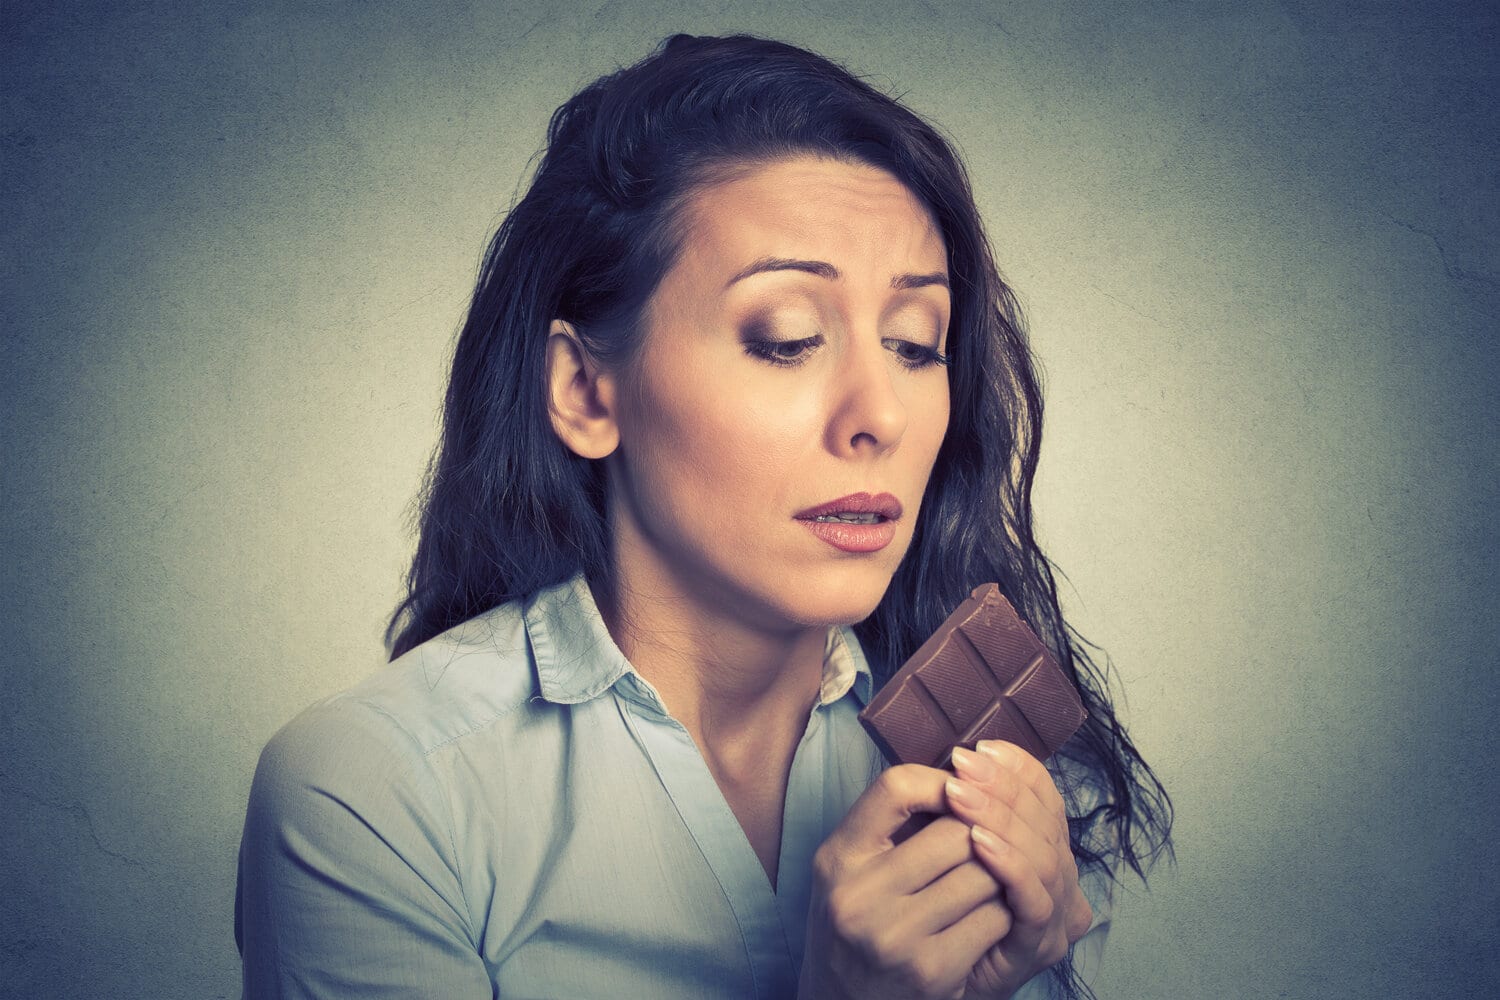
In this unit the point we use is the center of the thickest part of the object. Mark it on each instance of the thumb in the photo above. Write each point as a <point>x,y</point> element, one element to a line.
<point>890,808</point>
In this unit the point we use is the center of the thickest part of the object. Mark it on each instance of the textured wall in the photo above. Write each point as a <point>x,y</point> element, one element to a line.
<point>1257,242</point>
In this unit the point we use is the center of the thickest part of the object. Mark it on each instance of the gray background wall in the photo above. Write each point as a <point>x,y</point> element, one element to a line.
<point>1257,242</point>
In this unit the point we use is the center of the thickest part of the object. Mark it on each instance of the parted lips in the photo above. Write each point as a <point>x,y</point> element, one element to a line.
<point>983,675</point>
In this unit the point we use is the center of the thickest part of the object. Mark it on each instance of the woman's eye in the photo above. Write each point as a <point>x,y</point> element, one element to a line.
<point>783,352</point>
<point>914,355</point>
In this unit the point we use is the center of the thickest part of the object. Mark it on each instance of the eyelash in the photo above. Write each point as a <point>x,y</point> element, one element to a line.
<point>766,350</point>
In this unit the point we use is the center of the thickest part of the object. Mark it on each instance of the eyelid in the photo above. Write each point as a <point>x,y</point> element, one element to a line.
<point>765,348</point>
<point>920,309</point>
<point>927,356</point>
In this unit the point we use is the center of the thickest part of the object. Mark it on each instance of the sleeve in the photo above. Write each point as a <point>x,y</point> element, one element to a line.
<point>1098,887</point>
<point>348,879</point>
<point>1088,951</point>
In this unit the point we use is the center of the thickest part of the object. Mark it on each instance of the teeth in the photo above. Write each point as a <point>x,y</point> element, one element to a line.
<point>850,518</point>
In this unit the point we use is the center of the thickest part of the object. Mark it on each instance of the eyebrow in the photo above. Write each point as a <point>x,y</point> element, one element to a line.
<point>823,269</point>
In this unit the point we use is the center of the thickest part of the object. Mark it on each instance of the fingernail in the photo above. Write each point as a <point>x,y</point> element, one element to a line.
<point>964,795</point>
<point>1003,754</point>
<point>973,765</point>
<point>988,840</point>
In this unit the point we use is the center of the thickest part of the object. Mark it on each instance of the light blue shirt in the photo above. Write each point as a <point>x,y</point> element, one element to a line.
<point>508,810</point>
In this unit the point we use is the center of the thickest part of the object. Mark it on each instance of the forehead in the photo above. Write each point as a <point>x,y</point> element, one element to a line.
<point>859,218</point>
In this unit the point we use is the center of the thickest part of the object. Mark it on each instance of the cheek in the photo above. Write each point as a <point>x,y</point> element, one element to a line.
<point>930,416</point>
<point>716,451</point>
<point>940,425</point>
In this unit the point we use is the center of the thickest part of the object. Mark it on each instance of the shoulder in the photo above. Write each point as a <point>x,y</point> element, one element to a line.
<point>386,727</point>
<point>453,684</point>
<point>349,853</point>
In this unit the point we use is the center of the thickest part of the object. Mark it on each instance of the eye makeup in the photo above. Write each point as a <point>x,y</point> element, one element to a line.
<point>784,353</point>
<point>760,342</point>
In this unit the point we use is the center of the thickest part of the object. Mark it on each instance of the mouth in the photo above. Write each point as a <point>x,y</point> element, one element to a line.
<point>847,518</point>
<point>856,508</point>
<point>858,523</point>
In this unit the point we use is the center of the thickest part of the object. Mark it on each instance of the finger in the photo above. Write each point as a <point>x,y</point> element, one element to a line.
<point>1080,916</point>
<point>889,801</point>
<point>927,856</point>
<point>942,962</point>
<point>1030,770</point>
<point>1073,880</point>
<point>1007,788</point>
<point>1028,899</point>
<point>1046,855</point>
<point>1053,865</point>
<point>970,937</point>
<point>1030,773</point>
<point>949,898</point>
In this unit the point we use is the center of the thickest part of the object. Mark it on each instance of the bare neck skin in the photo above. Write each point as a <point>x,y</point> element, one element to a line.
<point>742,691</point>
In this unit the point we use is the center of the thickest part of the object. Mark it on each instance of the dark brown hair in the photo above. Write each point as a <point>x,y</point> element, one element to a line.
<point>507,509</point>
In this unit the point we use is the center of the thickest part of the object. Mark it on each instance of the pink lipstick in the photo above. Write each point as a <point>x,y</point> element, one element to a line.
<point>858,522</point>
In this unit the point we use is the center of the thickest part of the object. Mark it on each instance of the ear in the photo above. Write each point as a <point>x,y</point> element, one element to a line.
<point>581,397</point>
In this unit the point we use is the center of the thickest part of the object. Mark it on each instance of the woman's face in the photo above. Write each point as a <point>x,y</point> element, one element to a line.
<point>765,389</point>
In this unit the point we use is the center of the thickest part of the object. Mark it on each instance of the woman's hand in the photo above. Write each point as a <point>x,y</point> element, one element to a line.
<point>1020,833</point>
<point>903,920</point>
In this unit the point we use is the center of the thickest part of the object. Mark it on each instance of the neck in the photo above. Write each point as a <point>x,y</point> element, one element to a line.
<point>738,676</point>
<point>740,688</point>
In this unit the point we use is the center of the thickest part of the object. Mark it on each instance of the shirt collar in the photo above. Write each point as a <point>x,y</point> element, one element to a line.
<point>577,659</point>
<point>844,667</point>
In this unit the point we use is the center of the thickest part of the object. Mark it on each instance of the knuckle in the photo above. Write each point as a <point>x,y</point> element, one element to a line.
<point>1007,789</point>
<point>1033,771</point>
<point>977,878</point>
<point>1005,920</point>
<point>1054,948</point>
<point>955,835</point>
<point>1059,808</point>
<point>1046,788</point>
<point>826,864</point>
<point>1080,920</point>
<point>951,836</point>
<point>1046,909</point>
<point>1060,945</point>
<point>887,948</point>
<point>898,783</point>
<point>929,978</point>
<point>846,913</point>
<point>1000,821</point>
<point>1049,869</point>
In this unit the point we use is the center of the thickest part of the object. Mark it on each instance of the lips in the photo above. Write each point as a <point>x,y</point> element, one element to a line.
<point>857,523</point>
<point>859,505</point>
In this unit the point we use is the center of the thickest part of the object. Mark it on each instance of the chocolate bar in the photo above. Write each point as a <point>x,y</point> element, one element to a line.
<point>983,675</point>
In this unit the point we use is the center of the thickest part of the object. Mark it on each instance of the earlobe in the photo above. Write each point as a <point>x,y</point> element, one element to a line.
<point>581,397</point>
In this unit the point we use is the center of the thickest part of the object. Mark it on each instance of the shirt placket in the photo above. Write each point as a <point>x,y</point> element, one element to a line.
<point>802,830</point>
<point>713,826</point>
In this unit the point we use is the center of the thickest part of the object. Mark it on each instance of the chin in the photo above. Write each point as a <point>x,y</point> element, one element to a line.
<point>840,595</point>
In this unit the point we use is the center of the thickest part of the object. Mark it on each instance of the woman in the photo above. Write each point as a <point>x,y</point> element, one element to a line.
<point>741,410</point>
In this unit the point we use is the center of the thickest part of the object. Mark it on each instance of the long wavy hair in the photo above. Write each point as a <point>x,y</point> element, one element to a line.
<point>507,509</point>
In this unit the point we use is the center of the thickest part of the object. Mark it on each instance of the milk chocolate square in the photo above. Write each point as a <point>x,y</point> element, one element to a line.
<point>983,675</point>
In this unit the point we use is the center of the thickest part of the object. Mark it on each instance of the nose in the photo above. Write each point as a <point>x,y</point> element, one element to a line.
<point>868,414</point>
